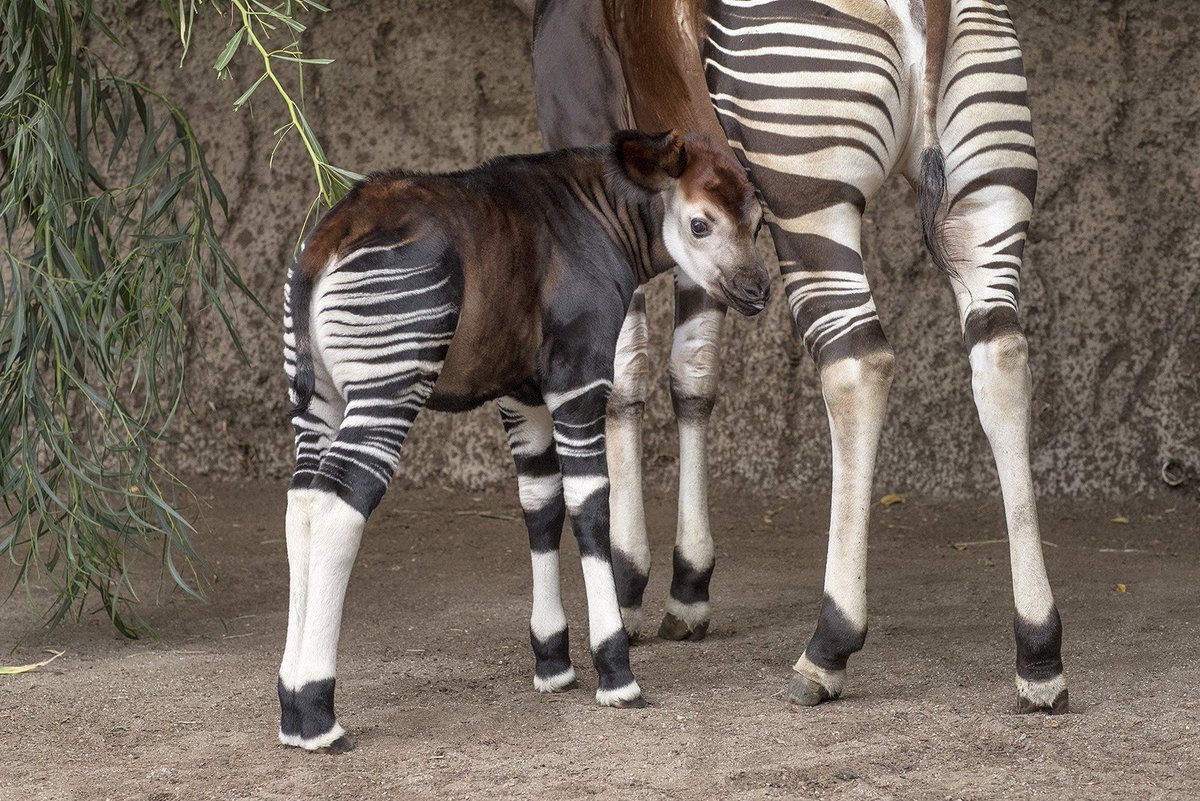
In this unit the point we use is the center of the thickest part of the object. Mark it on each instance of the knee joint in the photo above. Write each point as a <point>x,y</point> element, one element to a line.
<point>849,380</point>
<point>626,407</point>
<point>693,369</point>
<point>631,380</point>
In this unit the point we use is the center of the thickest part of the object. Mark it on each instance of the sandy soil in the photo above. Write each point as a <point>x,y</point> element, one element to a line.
<point>435,668</point>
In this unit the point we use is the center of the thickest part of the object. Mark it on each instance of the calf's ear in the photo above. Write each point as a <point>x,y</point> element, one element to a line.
<point>651,160</point>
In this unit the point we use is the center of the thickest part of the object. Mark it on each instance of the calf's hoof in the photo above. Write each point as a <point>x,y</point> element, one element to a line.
<point>341,745</point>
<point>557,683</point>
<point>627,697</point>
<point>673,628</point>
<point>1048,696</point>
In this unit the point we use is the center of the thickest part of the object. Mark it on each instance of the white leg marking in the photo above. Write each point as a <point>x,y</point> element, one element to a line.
<point>856,394</point>
<point>692,614</point>
<point>1041,693</point>
<point>834,681</point>
<point>299,509</point>
<point>619,695</point>
<point>537,491</point>
<point>604,616</point>
<point>548,617</point>
<point>577,489</point>
<point>335,536</point>
<point>1003,386</point>
<point>554,683</point>
<point>692,534</point>
<point>623,435</point>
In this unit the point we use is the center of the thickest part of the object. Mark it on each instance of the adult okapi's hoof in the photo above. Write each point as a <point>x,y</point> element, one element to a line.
<point>1050,697</point>
<point>673,628</point>
<point>803,691</point>
<point>812,685</point>
<point>341,745</point>
<point>631,619</point>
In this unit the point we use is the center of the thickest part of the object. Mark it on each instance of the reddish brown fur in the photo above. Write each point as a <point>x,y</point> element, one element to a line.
<point>510,231</point>
<point>660,63</point>
<point>712,171</point>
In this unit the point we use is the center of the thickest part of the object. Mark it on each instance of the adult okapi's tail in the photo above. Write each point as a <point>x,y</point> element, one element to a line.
<point>297,308</point>
<point>931,189</point>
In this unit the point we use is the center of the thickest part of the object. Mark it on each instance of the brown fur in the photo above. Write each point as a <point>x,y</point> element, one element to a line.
<point>719,177</point>
<point>515,233</point>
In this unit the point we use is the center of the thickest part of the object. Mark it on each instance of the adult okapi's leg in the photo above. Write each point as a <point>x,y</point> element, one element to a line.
<point>577,404</point>
<point>530,433</point>
<point>831,301</point>
<point>814,99</point>
<point>626,405</point>
<point>695,371</point>
<point>985,134</point>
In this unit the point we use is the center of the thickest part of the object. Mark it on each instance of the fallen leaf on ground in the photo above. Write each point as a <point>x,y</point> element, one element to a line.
<point>892,500</point>
<point>12,670</point>
<point>1119,587</point>
<point>1120,519</point>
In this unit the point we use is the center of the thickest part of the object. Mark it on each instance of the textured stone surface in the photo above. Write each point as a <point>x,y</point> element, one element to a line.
<point>1111,290</point>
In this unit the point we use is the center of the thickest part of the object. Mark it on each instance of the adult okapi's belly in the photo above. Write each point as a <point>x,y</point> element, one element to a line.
<point>493,352</point>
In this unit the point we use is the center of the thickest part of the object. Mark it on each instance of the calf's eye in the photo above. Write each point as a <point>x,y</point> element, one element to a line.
<point>700,227</point>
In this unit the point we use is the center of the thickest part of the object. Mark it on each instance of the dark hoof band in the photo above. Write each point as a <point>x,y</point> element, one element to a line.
<point>636,703</point>
<point>673,628</point>
<point>1060,706</point>
<point>341,745</point>
<point>806,692</point>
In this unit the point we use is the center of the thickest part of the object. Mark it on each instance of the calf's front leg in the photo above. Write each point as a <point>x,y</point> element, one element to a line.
<point>530,434</point>
<point>578,410</point>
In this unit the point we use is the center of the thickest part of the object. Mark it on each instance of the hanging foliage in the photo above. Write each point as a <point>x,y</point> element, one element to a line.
<point>109,215</point>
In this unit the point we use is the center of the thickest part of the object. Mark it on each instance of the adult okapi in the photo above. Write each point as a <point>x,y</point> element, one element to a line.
<point>822,102</point>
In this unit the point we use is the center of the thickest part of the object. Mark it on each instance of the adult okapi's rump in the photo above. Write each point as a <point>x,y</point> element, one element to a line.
<point>508,282</point>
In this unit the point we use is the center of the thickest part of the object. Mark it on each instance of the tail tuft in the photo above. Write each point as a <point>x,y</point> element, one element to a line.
<point>931,193</point>
<point>303,383</point>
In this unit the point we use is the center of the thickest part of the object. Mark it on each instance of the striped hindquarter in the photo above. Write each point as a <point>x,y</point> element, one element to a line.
<point>823,101</point>
<point>380,324</point>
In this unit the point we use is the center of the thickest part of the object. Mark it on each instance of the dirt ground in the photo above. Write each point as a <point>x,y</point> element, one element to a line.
<point>435,667</point>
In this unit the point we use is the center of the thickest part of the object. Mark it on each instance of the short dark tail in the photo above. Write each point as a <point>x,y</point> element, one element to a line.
<point>931,191</point>
<point>299,305</point>
<point>931,194</point>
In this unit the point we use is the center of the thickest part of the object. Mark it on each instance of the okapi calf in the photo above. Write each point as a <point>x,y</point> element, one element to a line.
<point>507,282</point>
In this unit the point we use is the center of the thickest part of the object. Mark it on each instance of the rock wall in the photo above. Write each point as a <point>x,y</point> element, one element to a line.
<point>1111,289</point>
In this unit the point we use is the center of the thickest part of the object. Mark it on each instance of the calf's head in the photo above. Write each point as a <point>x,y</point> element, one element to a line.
<point>711,216</point>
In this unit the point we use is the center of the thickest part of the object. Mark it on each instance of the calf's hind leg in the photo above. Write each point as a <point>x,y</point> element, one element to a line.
<point>315,428</point>
<point>330,515</point>
<point>531,437</point>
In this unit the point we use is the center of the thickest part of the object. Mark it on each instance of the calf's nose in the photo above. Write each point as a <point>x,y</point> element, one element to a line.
<point>754,288</point>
